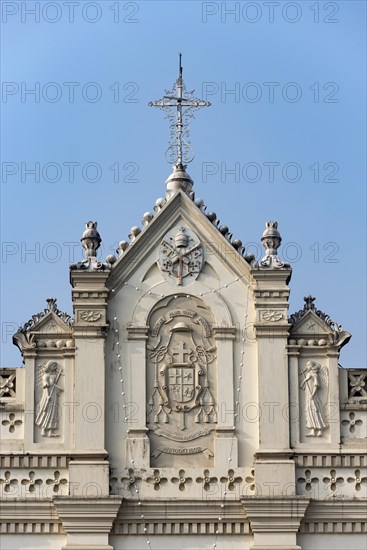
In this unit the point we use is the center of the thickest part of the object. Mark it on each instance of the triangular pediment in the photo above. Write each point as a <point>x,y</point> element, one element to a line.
<point>50,324</point>
<point>51,319</point>
<point>310,325</point>
<point>311,322</point>
<point>179,210</point>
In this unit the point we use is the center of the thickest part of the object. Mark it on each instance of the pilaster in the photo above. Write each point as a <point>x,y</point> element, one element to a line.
<point>137,442</point>
<point>225,440</point>
<point>90,301</point>
<point>87,522</point>
<point>275,521</point>
<point>274,469</point>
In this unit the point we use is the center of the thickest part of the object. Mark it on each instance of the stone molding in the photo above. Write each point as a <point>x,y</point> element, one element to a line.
<point>137,332</point>
<point>178,517</point>
<point>33,461</point>
<point>87,519</point>
<point>29,517</point>
<point>86,515</point>
<point>335,516</point>
<point>271,330</point>
<point>275,521</point>
<point>275,514</point>
<point>320,460</point>
<point>194,517</point>
<point>224,333</point>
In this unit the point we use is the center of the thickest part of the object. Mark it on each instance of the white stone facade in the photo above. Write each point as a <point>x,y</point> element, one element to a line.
<point>182,406</point>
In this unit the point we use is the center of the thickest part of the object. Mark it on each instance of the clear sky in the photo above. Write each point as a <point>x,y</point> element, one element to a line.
<point>284,139</point>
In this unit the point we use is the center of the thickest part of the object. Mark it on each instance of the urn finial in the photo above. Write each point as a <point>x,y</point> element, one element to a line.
<point>91,240</point>
<point>271,240</point>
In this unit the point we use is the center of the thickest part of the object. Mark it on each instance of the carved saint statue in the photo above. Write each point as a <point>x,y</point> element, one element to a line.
<point>48,414</point>
<point>311,383</point>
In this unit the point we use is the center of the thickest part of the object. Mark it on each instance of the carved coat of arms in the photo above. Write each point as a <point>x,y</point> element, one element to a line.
<point>182,385</point>
<point>182,368</point>
<point>181,256</point>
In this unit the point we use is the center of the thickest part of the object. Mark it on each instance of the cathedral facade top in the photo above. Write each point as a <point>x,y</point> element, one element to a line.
<point>182,397</point>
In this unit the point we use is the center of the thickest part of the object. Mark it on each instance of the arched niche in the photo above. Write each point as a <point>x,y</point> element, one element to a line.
<point>181,380</point>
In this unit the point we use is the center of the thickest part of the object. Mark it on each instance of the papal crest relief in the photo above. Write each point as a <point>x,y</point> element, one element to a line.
<point>181,357</point>
<point>180,256</point>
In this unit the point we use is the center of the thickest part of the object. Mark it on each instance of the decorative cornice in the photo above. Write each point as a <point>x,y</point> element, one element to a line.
<point>335,516</point>
<point>29,516</point>
<point>310,306</point>
<point>193,517</point>
<point>33,461</point>
<point>24,338</point>
<point>272,330</point>
<point>51,308</point>
<point>88,283</point>
<point>315,459</point>
<point>174,517</point>
<point>336,337</point>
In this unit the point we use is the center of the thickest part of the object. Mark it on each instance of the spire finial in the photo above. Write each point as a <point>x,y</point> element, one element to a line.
<point>179,105</point>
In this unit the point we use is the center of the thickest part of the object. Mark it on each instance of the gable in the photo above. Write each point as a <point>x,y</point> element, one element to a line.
<point>310,325</point>
<point>51,324</point>
<point>180,212</point>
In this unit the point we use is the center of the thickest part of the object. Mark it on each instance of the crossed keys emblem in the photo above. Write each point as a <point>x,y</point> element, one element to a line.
<point>178,259</point>
<point>181,264</point>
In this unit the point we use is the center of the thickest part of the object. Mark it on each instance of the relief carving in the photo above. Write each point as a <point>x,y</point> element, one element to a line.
<point>182,437</point>
<point>89,315</point>
<point>12,422</point>
<point>7,383</point>
<point>315,377</point>
<point>180,256</point>
<point>181,357</point>
<point>48,415</point>
<point>272,316</point>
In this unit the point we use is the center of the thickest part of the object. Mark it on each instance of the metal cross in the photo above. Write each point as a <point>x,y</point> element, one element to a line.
<point>179,105</point>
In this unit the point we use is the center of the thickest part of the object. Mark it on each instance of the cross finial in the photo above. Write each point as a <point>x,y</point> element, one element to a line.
<point>180,66</point>
<point>179,105</point>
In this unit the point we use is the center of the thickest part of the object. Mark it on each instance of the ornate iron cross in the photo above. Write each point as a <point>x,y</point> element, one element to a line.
<point>179,106</point>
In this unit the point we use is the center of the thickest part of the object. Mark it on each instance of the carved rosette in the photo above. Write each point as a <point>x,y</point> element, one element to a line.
<point>89,315</point>
<point>272,316</point>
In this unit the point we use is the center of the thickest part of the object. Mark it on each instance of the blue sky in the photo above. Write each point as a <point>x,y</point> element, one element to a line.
<point>287,85</point>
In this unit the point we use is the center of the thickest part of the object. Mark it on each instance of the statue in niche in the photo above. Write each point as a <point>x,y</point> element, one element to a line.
<point>48,414</point>
<point>314,377</point>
